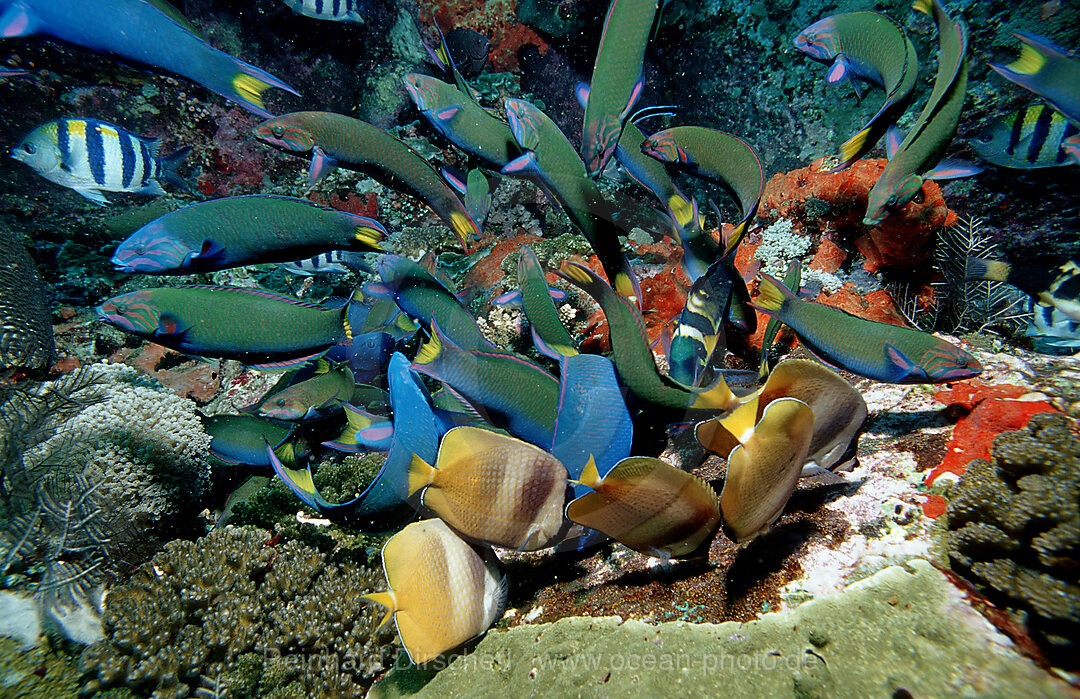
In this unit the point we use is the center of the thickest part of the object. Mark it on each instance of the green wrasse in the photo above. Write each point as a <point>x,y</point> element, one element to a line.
<point>717,156</point>
<point>617,80</point>
<point>548,332</point>
<point>509,391</point>
<point>258,328</point>
<point>924,145</point>
<point>865,46</point>
<point>554,165</point>
<point>878,351</point>
<point>304,398</point>
<point>334,139</point>
<point>1048,71</point>
<point>634,359</point>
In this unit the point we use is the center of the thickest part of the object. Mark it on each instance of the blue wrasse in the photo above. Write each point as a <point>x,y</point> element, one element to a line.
<point>720,157</point>
<point>258,328</point>
<point>423,297</point>
<point>1048,71</point>
<point>365,432</point>
<point>335,139</point>
<point>865,46</point>
<point>508,391</point>
<point>592,422</point>
<point>246,230</point>
<point>1033,137</point>
<point>462,121</point>
<point>383,505</point>
<point>617,79</point>
<point>91,156</point>
<point>917,156</point>
<point>634,359</point>
<point>878,351</point>
<point>139,31</point>
<point>552,163</point>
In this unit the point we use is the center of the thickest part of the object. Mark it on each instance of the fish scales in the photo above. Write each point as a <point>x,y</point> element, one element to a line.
<point>26,332</point>
<point>243,230</point>
<point>1032,137</point>
<point>536,302</point>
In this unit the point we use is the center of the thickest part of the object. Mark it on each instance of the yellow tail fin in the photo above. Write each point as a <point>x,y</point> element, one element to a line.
<point>386,599</point>
<point>421,474</point>
<point>924,6</point>
<point>771,295</point>
<point>682,209</point>
<point>853,145</point>
<point>590,477</point>
<point>428,351</point>
<point>369,236</point>
<point>1030,61</point>
<point>250,88</point>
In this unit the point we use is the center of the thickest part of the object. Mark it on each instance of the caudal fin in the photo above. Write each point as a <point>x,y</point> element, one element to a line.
<point>167,169</point>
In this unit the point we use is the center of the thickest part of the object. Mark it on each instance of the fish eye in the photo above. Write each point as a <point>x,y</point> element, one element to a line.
<point>139,249</point>
<point>30,148</point>
<point>278,131</point>
<point>280,402</point>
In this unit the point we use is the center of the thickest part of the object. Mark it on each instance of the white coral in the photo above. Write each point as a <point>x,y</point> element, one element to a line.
<point>780,244</point>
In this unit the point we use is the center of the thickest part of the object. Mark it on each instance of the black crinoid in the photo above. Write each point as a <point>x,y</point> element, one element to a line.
<point>83,501</point>
<point>973,306</point>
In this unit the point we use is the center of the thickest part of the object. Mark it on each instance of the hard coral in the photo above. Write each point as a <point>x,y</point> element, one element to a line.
<point>1014,526</point>
<point>902,241</point>
<point>246,613</point>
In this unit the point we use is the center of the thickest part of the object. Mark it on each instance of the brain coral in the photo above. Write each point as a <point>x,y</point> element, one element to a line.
<point>244,615</point>
<point>1015,527</point>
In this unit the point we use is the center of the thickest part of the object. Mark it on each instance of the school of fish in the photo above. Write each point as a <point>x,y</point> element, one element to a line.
<point>517,452</point>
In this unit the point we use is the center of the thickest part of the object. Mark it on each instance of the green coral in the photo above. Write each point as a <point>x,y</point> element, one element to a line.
<point>1015,527</point>
<point>237,612</point>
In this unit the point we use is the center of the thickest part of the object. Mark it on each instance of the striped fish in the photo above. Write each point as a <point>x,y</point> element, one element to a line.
<point>330,10</point>
<point>92,156</point>
<point>332,262</point>
<point>1053,327</point>
<point>1032,137</point>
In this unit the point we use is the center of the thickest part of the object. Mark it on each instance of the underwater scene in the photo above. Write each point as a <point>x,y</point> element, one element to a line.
<point>546,348</point>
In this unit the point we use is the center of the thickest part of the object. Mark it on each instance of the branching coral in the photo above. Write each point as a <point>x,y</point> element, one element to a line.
<point>235,607</point>
<point>1015,527</point>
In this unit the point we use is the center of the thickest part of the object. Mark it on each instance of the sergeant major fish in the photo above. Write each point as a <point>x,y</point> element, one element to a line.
<point>330,10</point>
<point>91,156</point>
<point>1029,138</point>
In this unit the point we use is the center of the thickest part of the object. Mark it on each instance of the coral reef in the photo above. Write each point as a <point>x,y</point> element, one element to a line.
<point>1014,527</point>
<point>99,467</point>
<point>26,338</point>
<point>247,613</point>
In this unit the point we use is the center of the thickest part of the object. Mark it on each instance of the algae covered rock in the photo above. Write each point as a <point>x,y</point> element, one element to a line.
<point>1015,528</point>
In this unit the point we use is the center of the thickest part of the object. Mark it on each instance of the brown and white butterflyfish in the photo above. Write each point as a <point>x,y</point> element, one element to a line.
<point>443,590</point>
<point>649,506</point>
<point>494,488</point>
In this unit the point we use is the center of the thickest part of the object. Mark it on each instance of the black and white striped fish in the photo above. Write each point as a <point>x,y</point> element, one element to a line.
<point>332,10</point>
<point>1028,138</point>
<point>333,262</point>
<point>91,156</point>
<point>1053,327</point>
